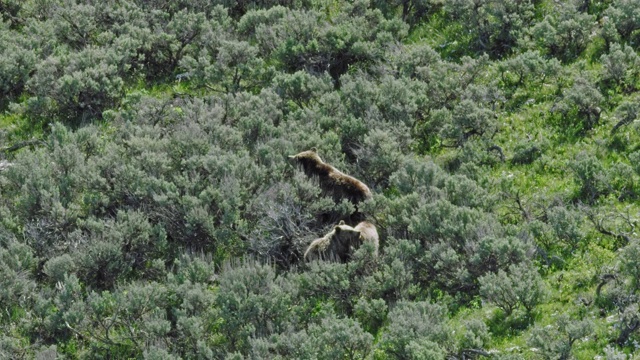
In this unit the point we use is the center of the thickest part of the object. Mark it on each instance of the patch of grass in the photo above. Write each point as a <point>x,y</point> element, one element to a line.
<point>443,35</point>
<point>15,128</point>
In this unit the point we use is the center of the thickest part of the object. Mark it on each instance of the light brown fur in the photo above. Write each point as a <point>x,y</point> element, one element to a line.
<point>332,180</point>
<point>340,243</point>
<point>367,234</point>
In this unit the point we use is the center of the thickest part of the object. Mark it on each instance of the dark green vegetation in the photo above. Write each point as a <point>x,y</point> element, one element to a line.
<point>151,212</point>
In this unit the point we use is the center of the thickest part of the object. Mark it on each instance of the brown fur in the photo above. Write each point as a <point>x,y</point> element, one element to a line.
<point>367,234</point>
<point>332,180</point>
<point>340,243</point>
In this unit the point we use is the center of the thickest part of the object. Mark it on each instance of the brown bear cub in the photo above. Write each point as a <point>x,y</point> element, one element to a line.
<point>340,243</point>
<point>331,179</point>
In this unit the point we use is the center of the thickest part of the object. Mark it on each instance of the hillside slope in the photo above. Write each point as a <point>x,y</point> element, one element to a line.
<point>149,208</point>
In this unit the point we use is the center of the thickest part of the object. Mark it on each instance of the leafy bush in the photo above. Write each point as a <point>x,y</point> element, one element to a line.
<point>626,113</point>
<point>17,266</point>
<point>17,62</point>
<point>416,330</point>
<point>622,20</point>
<point>331,338</point>
<point>566,225</point>
<point>110,317</point>
<point>591,177</point>
<point>355,35</point>
<point>495,25</point>
<point>564,33</point>
<point>79,88</point>
<point>476,336</point>
<point>580,105</point>
<point>529,67</point>
<point>223,62</point>
<point>466,120</point>
<point>556,341</point>
<point>58,267</point>
<point>618,291</point>
<point>253,302</point>
<point>521,286</point>
<point>144,153</point>
<point>620,67</point>
<point>634,158</point>
<point>527,152</point>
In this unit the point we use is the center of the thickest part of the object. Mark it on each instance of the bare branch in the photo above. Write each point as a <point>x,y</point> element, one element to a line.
<point>20,145</point>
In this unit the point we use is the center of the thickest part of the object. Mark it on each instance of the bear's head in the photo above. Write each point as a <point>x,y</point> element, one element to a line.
<point>345,234</point>
<point>310,161</point>
<point>309,154</point>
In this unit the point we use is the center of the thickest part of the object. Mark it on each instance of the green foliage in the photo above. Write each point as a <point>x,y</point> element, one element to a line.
<point>564,32</point>
<point>224,63</point>
<point>412,10</point>
<point>634,158</point>
<point>591,177</point>
<point>527,152</point>
<point>495,26</point>
<point>332,338</point>
<point>416,331</point>
<point>626,113</point>
<point>529,67</point>
<point>620,67</point>
<point>370,313</point>
<point>580,105</point>
<point>619,292</point>
<point>355,34</point>
<point>17,62</point>
<point>476,336</point>
<point>58,267</point>
<point>253,302</point>
<point>521,286</point>
<point>17,266</point>
<point>622,20</point>
<point>566,225</point>
<point>75,89</point>
<point>467,119</point>
<point>556,341</point>
<point>107,320</point>
<point>144,152</point>
<point>612,353</point>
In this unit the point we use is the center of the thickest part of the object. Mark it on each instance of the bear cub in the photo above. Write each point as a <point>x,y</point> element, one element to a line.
<point>340,243</point>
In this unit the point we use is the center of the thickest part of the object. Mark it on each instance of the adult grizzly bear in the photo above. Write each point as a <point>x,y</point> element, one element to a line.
<point>332,180</point>
<point>340,243</point>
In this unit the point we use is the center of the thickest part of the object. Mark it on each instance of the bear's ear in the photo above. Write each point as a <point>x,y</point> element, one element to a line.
<point>314,149</point>
<point>342,222</point>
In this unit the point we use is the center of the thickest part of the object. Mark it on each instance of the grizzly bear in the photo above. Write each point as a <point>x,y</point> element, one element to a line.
<point>340,243</point>
<point>332,180</point>
<point>367,233</point>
